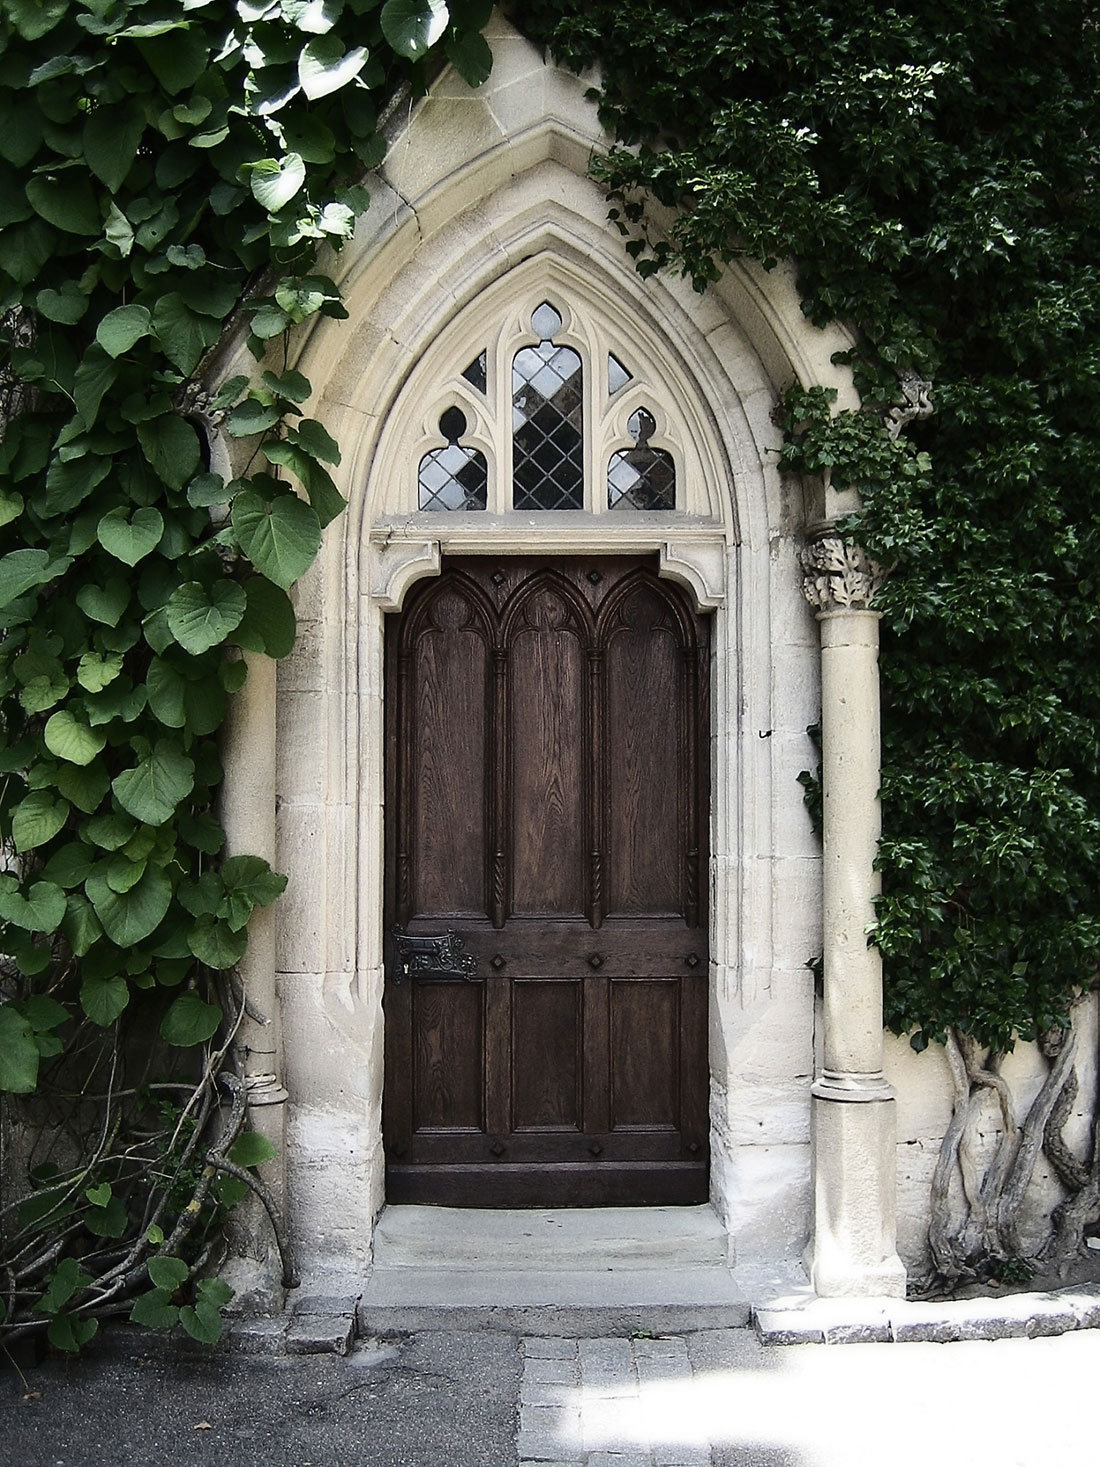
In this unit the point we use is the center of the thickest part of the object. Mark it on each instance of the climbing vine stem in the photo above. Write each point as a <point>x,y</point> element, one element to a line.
<point>172,173</point>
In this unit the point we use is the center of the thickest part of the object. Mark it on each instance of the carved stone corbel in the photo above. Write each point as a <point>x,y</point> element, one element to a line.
<point>916,403</point>
<point>840,577</point>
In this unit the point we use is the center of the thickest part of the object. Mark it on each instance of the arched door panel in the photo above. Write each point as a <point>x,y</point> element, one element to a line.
<point>546,802</point>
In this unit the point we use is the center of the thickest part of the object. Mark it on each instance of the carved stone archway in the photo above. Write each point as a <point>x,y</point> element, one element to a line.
<point>479,193</point>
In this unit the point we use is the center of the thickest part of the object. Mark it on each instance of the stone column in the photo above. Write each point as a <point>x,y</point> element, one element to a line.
<point>854,1248</point>
<point>248,814</point>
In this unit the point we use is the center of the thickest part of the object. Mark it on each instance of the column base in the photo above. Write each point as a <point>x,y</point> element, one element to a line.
<point>853,1252</point>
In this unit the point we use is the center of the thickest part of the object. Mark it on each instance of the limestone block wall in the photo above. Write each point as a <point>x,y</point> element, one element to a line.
<point>923,1084</point>
<point>767,903</point>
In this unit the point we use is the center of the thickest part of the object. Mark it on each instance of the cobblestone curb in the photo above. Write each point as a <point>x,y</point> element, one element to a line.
<point>879,1321</point>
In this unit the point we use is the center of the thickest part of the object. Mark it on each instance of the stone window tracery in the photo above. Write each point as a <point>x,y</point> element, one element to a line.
<point>547,415</point>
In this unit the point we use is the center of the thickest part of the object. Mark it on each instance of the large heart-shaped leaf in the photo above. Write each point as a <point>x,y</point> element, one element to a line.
<point>20,570</point>
<point>18,1052</point>
<point>183,333</point>
<point>70,739</point>
<point>199,617</point>
<point>65,200</point>
<point>324,66</point>
<point>412,26</point>
<point>40,910</point>
<point>269,625</point>
<point>129,917</point>
<point>104,603</point>
<point>151,790</point>
<point>275,181</point>
<point>190,1021</point>
<point>122,328</point>
<point>280,539</point>
<point>215,943</point>
<point>36,819</point>
<point>172,447</point>
<point>104,998</point>
<point>130,538</point>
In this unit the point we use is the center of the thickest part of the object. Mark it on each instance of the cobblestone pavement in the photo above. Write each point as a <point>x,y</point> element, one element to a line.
<point>581,1402</point>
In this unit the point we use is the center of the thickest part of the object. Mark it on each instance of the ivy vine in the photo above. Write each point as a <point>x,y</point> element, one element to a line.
<point>171,171</point>
<point>932,170</point>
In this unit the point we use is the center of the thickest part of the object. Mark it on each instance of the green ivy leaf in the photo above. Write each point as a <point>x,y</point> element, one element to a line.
<point>84,785</point>
<point>251,1149</point>
<point>325,67</point>
<point>470,56</point>
<point>412,26</point>
<point>40,910</point>
<point>155,1310</point>
<point>280,539</point>
<point>111,139</point>
<point>167,1273</point>
<point>20,570</point>
<point>109,1221</point>
<point>95,376</point>
<point>151,790</point>
<point>18,1052</point>
<point>130,538</point>
<point>104,603</point>
<point>66,306</point>
<point>249,882</point>
<point>37,819</point>
<point>184,334</point>
<point>35,18</point>
<point>200,617</point>
<point>70,739</point>
<point>202,1322</point>
<point>97,669</point>
<point>274,182</point>
<point>70,1333</point>
<point>103,998</point>
<point>129,917</point>
<point>81,926</point>
<point>172,447</point>
<point>190,1021</point>
<point>66,201</point>
<point>215,943</point>
<point>122,328</point>
<point>269,624</point>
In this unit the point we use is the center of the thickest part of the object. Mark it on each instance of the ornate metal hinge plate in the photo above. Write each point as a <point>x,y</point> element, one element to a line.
<point>437,957</point>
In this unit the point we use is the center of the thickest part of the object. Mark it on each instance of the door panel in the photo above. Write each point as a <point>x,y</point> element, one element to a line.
<point>546,801</point>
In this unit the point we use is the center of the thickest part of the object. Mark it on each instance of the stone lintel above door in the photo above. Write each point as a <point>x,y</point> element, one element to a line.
<point>401,554</point>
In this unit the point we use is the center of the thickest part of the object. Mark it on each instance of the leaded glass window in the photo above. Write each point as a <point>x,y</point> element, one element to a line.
<point>547,420</point>
<point>641,477</point>
<point>547,405</point>
<point>453,477</point>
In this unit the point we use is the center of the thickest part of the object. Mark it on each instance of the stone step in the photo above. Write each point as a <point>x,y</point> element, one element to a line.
<point>559,1302</point>
<point>580,1272</point>
<point>570,1239</point>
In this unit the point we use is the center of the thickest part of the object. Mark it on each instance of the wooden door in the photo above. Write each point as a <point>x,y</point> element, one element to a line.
<point>547,803</point>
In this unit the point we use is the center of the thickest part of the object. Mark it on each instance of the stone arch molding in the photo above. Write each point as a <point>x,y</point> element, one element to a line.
<point>483,203</point>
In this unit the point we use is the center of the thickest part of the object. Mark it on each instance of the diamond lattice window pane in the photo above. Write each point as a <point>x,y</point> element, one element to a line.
<point>453,477</point>
<point>477,373</point>
<point>617,375</point>
<point>547,421</point>
<point>641,477</point>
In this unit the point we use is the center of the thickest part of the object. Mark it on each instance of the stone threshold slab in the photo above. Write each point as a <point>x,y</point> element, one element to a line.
<point>804,1321</point>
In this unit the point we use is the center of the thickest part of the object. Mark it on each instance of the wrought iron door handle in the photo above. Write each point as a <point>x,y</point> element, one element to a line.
<point>431,958</point>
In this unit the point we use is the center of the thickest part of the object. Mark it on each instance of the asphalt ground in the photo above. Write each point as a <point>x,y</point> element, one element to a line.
<point>451,1399</point>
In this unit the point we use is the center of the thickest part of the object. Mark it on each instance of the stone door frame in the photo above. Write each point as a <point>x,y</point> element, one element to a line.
<point>474,186</point>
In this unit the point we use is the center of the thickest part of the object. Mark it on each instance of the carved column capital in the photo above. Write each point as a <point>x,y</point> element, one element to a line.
<point>840,577</point>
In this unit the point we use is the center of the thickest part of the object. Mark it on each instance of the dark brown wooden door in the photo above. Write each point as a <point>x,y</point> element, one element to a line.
<point>546,801</point>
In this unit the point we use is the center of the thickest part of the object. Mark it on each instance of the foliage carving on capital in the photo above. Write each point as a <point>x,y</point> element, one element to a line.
<point>840,577</point>
<point>916,404</point>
